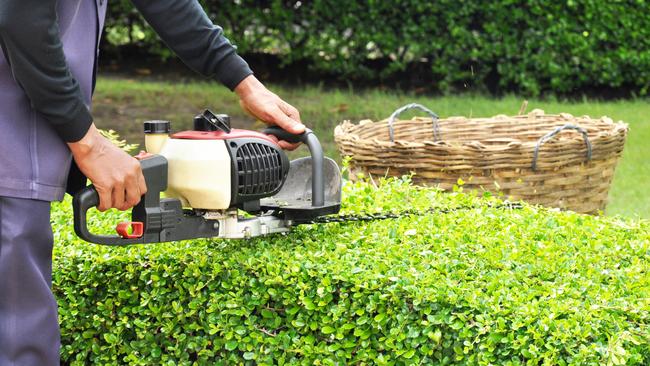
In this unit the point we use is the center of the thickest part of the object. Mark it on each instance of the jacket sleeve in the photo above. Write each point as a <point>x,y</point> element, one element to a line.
<point>29,37</point>
<point>185,27</point>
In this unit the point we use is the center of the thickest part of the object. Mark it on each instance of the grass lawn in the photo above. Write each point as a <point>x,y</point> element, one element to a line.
<point>123,104</point>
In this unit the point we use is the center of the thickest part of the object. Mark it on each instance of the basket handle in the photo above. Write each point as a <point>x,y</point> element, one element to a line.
<point>399,111</point>
<point>552,134</point>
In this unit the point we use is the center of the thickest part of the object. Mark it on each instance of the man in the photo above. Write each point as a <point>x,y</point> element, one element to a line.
<point>47,75</point>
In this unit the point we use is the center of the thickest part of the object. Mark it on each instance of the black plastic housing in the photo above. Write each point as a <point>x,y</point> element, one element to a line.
<point>208,121</point>
<point>259,169</point>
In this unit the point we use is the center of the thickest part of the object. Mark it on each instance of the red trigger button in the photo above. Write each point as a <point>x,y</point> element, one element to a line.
<point>123,229</point>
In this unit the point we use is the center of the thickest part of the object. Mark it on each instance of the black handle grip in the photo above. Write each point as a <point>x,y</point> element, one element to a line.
<point>154,170</point>
<point>286,135</point>
<point>308,138</point>
<point>83,201</point>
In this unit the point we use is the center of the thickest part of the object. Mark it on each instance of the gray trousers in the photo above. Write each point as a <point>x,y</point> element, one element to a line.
<point>29,327</point>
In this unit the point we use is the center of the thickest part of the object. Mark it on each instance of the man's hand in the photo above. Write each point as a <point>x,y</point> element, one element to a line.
<point>117,177</point>
<point>261,103</point>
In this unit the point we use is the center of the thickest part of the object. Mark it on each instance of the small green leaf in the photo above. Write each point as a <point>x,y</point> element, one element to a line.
<point>409,354</point>
<point>231,345</point>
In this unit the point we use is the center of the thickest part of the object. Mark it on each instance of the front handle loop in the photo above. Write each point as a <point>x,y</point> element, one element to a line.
<point>552,134</point>
<point>317,158</point>
<point>399,111</point>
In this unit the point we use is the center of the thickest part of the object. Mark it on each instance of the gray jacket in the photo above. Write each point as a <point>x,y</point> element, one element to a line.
<point>48,63</point>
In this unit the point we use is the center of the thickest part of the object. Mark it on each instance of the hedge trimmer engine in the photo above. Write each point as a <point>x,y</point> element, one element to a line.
<point>212,172</point>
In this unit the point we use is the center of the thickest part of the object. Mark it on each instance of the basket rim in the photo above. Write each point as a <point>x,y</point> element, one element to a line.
<point>573,171</point>
<point>350,130</point>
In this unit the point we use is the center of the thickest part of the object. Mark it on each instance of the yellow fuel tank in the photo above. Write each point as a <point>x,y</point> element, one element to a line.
<point>199,170</point>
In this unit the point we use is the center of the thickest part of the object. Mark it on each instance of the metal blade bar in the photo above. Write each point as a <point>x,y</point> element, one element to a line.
<point>365,217</point>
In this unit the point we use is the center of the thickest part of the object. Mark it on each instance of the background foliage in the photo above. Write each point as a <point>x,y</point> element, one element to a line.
<point>484,286</point>
<point>530,47</point>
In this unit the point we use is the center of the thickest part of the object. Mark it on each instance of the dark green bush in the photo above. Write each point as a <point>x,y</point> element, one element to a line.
<point>485,286</point>
<point>530,47</point>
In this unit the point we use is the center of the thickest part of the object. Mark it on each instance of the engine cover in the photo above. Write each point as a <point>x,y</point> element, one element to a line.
<point>215,167</point>
<point>216,170</point>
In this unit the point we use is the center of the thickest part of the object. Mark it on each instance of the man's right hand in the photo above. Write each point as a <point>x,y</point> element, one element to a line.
<point>116,175</point>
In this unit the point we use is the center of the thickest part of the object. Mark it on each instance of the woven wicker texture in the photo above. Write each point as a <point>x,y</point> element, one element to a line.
<point>574,166</point>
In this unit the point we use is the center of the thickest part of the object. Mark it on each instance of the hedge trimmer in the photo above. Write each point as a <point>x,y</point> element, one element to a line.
<point>211,173</point>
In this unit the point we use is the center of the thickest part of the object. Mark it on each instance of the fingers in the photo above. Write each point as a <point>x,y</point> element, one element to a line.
<point>118,196</point>
<point>289,124</point>
<point>116,176</point>
<point>133,194</point>
<point>105,200</point>
<point>274,111</point>
<point>297,127</point>
<point>142,184</point>
<point>290,111</point>
<point>269,108</point>
<point>126,189</point>
<point>274,138</point>
<point>274,115</point>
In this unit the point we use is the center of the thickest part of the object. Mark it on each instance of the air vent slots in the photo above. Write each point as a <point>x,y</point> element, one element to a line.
<point>259,169</point>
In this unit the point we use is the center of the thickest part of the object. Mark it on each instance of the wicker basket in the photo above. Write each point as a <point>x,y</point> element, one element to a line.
<point>554,160</point>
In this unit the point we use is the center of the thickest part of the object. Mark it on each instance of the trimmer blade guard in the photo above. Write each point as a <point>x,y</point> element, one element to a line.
<point>294,201</point>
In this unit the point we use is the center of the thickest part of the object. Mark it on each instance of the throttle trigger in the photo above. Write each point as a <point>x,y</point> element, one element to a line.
<point>137,229</point>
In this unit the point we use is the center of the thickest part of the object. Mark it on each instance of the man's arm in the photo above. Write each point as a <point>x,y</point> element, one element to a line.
<point>184,26</point>
<point>29,37</point>
<point>186,29</point>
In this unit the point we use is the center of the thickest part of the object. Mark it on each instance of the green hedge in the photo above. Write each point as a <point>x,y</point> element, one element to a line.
<point>485,286</point>
<point>530,47</point>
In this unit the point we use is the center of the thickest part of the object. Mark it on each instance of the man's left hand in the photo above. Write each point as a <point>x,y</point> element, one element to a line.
<point>261,103</point>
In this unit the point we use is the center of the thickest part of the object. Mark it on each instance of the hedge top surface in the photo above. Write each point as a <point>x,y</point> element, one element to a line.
<point>479,286</point>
